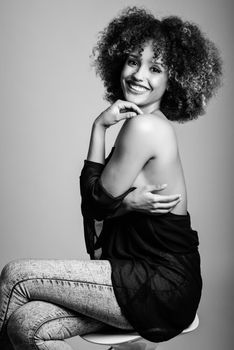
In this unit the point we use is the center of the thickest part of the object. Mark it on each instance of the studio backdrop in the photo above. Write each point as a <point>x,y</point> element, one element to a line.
<point>49,96</point>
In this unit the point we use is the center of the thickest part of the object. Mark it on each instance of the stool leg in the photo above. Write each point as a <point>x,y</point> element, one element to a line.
<point>141,344</point>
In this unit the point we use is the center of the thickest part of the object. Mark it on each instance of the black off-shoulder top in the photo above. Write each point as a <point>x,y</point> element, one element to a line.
<point>155,260</point>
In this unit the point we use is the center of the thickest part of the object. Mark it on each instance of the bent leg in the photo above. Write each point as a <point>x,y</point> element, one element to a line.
<point>44,326</point>
<point>82,286</point>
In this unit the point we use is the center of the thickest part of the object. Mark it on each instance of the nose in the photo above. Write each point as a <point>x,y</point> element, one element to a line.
<point>140,73</point>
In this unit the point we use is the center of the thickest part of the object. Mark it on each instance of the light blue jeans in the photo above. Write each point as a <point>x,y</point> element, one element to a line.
<point>43,302</point>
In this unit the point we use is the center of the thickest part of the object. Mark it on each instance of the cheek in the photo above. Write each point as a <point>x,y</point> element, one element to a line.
<point>123,75</point>
<point>165,81</point>
<point>161,85</point>
<point>126,71</point>
<point>122,80</point>
<point>164,86</point>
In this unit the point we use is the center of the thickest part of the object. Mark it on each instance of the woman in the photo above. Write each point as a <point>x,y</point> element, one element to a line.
<point>148,277</point>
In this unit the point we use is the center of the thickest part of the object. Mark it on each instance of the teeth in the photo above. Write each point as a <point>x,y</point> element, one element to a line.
<point>137,87</point>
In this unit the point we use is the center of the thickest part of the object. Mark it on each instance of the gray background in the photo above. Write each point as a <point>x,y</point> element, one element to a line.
<point>49,97</point>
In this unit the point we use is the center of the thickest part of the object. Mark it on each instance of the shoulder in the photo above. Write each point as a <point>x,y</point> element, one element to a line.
<point>150,123</point>
<point>147,126</point>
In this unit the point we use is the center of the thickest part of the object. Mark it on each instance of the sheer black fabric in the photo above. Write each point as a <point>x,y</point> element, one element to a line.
<point>96,202</point>
<point>155,259</point>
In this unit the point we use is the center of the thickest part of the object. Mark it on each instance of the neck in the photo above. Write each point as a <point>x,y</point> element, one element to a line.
<point>150,109</point>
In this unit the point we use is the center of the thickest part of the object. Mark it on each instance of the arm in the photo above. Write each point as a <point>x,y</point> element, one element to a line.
<point>135,145</point>
<point>96,152</point>
<point>120,110</point>
<point>118,175</point>
<point>96,201</point>
<point>146,199</point>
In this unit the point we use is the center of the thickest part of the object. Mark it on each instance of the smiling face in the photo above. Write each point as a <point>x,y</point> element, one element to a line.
<point>144,79</point>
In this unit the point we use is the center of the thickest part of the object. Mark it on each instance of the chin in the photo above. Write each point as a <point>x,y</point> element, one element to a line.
<point>134,99</point>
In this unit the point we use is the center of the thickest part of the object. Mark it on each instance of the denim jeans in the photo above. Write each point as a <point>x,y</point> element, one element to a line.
<point>44,302</point>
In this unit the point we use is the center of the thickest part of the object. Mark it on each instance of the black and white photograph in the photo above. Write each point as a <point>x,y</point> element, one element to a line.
<point>116,194</point>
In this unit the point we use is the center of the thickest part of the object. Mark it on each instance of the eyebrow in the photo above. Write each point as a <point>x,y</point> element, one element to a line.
<point>134,55</point>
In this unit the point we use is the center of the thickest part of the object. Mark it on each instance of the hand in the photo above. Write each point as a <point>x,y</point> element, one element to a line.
<point>145,199</point>
<point>118,111</point>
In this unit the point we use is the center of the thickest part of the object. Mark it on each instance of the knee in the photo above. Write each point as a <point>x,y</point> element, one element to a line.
<point>8,272</point>
<point>34,323</point>
<point>12,271</point>
<point>15,329</point>
<point>23,324</point>
<point>20,328</point>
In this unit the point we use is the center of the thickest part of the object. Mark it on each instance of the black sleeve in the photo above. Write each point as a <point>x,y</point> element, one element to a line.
<point>96,202</point>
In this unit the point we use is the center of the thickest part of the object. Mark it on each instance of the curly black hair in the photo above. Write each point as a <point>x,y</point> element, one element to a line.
<point>192,60</point>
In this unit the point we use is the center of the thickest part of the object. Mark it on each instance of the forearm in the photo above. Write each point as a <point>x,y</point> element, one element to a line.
<point>96,152</point>
<point>120,212</point>
<point>96,202</point>
<point>124,208</point>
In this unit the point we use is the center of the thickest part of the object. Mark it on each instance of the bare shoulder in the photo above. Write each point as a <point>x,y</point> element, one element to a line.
<point>156,122</point>
<point>155,127</point>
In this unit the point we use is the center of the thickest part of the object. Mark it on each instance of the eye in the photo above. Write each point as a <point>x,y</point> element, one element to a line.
<point>131,62</point>
<point>155,69</point>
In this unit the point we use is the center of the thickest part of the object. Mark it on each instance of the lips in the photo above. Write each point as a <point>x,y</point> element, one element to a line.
<point>137,88</point>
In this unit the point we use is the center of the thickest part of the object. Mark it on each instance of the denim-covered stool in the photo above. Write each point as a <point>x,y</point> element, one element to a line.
<point>129,341</point>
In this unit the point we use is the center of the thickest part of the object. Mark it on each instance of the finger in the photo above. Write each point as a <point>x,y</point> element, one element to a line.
<point>127,115</point>
<point>159,211</point>
<point>167,206</point>
<point>129,105</point>
<point>167,198</point>
<point>152,188</point>
<point>136,108</point>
